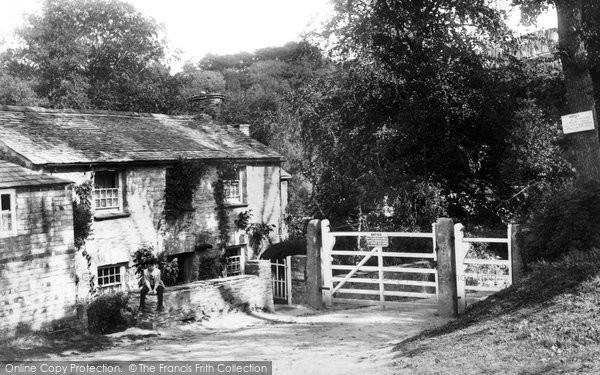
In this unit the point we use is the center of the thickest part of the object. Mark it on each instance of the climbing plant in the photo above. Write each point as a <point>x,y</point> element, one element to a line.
<point>182,180</point>
<point>82,213</point>
<point>82,224</point>
<point>225,171</point>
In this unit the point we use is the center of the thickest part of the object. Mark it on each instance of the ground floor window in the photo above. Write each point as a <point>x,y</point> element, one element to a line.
<point>111,277</point>
<point>234,260</point>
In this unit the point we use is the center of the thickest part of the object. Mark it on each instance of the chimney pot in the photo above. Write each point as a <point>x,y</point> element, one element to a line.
<point>209,104</point>
<point>244,128</point>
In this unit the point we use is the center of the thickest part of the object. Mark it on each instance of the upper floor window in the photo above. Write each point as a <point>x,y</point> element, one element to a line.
<point>234,185</point>
<point>8,216</point>
<point>107,191</point>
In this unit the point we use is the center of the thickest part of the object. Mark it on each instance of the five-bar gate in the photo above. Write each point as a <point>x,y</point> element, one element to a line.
<point>366,273</point>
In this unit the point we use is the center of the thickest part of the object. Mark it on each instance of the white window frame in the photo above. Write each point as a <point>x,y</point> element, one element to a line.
<point>119,192</point>
<point>116,285</point>
<point>13,213</point>
<point>230,186</point>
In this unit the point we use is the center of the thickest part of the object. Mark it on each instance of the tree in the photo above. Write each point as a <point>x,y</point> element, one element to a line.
<point>16,91</point>
<point>416,120</point>
<point>577,28</point>
<point>94,54</point>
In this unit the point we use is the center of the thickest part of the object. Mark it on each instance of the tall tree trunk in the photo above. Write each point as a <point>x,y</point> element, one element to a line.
<point>583,147</point>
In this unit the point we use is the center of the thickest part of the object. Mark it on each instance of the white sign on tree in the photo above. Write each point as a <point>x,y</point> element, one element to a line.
<point>578,122</point>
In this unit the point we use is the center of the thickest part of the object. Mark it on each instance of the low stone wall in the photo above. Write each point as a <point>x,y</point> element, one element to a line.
<point>299,286</point>
<point>205,298</point>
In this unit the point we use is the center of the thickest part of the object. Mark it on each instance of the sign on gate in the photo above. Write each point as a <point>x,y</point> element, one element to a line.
<point>377,240</point>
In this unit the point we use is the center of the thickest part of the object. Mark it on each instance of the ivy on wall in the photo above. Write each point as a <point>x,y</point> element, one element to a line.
<point>82,224</point>
<point>182,181</point>
<point>225,171</point>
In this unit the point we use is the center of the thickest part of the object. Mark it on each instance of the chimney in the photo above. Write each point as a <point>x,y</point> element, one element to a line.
<point>207,104</point>
<point>244,128</point>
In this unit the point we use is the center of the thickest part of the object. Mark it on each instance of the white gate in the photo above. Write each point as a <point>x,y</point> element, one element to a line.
<point>381,277</point>
<point>281,280</point>
<point>475,274</point>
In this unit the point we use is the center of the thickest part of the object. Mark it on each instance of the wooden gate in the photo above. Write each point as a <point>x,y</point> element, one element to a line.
<point>476,274</point>
<point>364,269</point>
<point>281,280</point>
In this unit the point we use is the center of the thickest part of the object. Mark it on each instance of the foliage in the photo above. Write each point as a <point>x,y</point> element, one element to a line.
<point>17,91</point>
<point>534,165</point>
<point>183,178</point>
<point>109,313</point>
<point>82,213</point>
<point>243,220</point>
<point>225,171</point>
<point>258,233</point>
<point>82,225</point>
<point>416,121</point>
<point>193,81</point>
<point>569,220</point>
<point>94,54</point>
<point>169,269</point>
<point>211,267</point>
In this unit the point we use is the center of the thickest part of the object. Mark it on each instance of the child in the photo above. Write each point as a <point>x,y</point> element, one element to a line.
<point>152,284</point>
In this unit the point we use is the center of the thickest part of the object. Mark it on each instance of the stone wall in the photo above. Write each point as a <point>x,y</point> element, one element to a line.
<point>299,286</point>
<point>205,298</point>
<point>37,271</point>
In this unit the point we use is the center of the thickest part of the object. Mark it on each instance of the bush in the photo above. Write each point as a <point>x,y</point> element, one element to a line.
<point>211,267</point>
<point>169,269</point>
<point>109,313</point>
<point>570,220</point>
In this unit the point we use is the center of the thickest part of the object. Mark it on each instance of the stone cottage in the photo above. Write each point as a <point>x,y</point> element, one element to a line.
<point>37,256</point>
<point>128,159</point>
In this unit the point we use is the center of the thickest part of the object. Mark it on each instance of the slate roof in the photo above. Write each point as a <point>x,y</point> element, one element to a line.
<point>46,136</point>
<point>12,175</point>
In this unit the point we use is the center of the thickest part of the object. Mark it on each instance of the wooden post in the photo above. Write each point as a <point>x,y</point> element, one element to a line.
<point>447,306</point>
<point>515,256</point>
<point>328,241</point>
<point>381,284</point>
<point>461,250</point>
<point>288,278</point>
<point>243,260</point>
<point>313,265</point>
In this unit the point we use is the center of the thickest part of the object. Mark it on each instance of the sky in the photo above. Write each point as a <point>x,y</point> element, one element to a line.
<point>198,27</point>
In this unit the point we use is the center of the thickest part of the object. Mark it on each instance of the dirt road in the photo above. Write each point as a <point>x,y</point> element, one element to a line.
<point>341,340</point>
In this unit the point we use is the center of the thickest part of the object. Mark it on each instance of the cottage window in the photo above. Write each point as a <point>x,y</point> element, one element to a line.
<point>110,278</point>
<point>234,260</point>
<point>8,216</point>
<point>107,191</point>
<point>234,186</point>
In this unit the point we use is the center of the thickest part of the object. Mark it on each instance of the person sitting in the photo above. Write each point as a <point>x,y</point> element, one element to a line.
<point>152,284</point>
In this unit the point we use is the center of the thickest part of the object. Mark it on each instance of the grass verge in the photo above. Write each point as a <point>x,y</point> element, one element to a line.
<point>548,323</point>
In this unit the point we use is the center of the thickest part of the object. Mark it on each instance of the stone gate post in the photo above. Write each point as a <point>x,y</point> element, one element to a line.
<point>447,297</point>
<point>313,265</point>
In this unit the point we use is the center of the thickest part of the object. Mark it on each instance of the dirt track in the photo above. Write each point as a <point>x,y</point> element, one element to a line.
<point>342,340</point>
